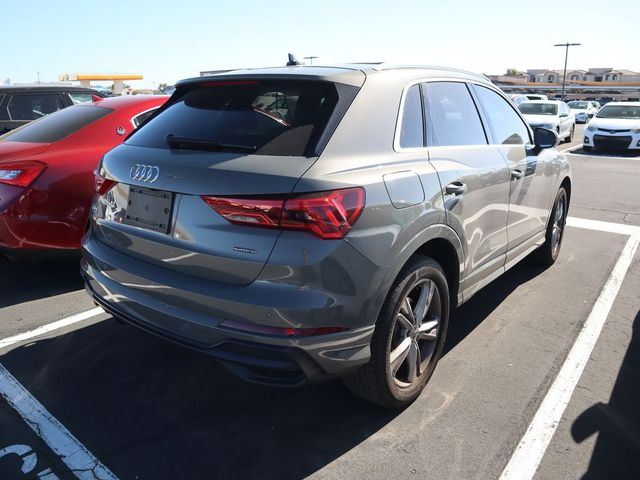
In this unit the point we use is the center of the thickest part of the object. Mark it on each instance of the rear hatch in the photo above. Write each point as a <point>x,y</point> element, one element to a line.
<point>240,138</point>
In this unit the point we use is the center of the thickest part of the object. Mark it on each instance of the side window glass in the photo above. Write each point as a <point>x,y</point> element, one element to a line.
<point>137,121</point>
<point>506,125</point>
<point>4,114</point>
<point>30,107</point>
<point>451,115</point>
<point>411,126</point>
<point>80,97</point>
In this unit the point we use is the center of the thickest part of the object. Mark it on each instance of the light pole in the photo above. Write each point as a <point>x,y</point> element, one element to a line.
<point>38,73</point>
<point>310,59</point>
<point>566,55</point>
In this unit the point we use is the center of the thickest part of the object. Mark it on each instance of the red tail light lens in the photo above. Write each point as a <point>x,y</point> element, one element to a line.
<point>261,213</point>
<point>328,215</point>
<point>325,214</point>
<point>103,185</point>
<point>20,174</point>
<point>280,331</point>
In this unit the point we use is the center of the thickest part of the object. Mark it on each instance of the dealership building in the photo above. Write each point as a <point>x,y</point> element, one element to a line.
<point>592,84</point>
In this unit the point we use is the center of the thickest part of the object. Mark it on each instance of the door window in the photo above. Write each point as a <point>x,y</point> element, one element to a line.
<point>506,125</point>
<point>80,97</point>
<point>451,115</point>
<point>411,126</point>
<point>32,106</point>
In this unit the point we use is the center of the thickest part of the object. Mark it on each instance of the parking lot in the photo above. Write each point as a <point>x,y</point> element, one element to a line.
<point>131,406</point>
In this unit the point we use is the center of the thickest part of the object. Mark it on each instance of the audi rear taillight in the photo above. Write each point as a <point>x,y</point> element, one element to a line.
<point>20,174</point>
<point>328,215</point>
<point>103,185</point>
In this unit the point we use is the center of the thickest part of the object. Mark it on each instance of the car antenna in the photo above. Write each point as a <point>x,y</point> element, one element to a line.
<point>293,61</point>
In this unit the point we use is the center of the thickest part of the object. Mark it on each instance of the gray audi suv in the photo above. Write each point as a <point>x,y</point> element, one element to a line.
<point>303,223</point>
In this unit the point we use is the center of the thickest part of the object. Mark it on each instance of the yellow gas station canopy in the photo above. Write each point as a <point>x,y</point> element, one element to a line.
<point>88,77</point>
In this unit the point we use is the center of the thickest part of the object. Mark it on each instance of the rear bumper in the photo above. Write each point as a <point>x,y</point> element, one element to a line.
<point>189,311</point>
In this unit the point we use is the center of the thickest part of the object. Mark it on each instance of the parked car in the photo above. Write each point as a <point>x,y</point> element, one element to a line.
<point>583,110</point>
<point>21,104</point>
<point>536,96</point>
<point>551,114</point>
<point>309,236</point>
<point>518,99</point>
<point>46,170</point>
<point>616,126</point>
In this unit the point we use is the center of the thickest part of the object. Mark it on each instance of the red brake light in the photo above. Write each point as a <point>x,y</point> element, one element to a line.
<point>103,185</point>
<point>261,213</point>
<point>20,174</point>
<point>328,215</point>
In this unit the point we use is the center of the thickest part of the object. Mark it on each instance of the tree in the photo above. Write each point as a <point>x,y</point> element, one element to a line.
<point>512,72</point>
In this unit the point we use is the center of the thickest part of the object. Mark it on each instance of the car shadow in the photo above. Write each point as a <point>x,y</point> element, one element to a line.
<point>150,409</point>
<point>607,153</point>
<point>473,312</point>
<point>617,450</point>
<point>26,279</point>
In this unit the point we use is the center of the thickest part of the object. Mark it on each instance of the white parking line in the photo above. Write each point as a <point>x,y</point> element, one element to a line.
<point>610,227</point>
<point>79,460</point>
<point>49,327</point>
<point>569,148</point>
<point>528,454</point>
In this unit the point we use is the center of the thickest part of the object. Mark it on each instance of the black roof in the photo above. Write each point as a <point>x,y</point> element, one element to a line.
<point>46,88</point>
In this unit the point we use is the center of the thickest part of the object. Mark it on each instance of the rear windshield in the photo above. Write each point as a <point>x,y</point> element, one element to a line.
<point>58,125</point>
<point>538,108</point>
<point>262,117</point>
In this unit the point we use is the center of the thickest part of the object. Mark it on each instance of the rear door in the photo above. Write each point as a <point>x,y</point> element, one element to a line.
<point>530,178</point>
<point>247,141</point>
<point>474,178</point>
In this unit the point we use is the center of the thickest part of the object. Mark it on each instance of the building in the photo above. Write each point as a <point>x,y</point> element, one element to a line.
<point>592,84</point>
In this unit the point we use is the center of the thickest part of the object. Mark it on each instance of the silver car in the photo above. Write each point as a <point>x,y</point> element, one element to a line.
<point>303,223</point>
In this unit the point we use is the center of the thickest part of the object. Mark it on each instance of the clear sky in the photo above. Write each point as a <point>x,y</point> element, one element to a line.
<point>167,43</point>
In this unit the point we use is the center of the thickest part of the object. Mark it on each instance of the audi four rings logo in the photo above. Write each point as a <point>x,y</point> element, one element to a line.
<point>144,173</point>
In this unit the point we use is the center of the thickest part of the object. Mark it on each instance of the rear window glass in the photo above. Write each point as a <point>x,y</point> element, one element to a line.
<point>58,125</point>
<point>265,117</point>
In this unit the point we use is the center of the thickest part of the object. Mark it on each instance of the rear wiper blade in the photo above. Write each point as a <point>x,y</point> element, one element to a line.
<point>195,143</point>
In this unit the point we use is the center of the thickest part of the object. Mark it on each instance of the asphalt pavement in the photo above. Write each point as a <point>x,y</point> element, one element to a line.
<point>146,409</point>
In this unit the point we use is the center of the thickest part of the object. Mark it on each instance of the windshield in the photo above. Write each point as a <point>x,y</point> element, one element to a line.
<point>56,126</point>
<point>265,117</point>
<point>579,105</point>
<point>619,111</point>
<point>538,108</point>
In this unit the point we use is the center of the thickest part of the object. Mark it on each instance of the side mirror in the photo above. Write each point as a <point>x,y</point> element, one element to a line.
<point>544,138</point>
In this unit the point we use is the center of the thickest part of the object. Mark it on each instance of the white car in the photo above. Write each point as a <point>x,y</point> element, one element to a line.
<point>551,114</point>
<point>615,126</point>
<point>583,110</point>
<point>536,96</point>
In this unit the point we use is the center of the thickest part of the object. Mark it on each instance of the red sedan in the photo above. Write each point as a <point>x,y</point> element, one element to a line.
<point>46,170</point>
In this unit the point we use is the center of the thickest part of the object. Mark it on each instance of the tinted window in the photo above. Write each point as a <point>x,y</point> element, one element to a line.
<point>4,115</point>
<point>411,126</point>
<point>80,97</point>
<point>528,108</point>
<point>506,125</point>
<point>58,125</point>
<point>265,117</point>
<point>32,106</point>
<point>452,118</point>
<point>137,121</point>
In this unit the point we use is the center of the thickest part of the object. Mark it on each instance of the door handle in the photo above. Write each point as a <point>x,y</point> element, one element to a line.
<point>516,174</point>
<point>456,188</point>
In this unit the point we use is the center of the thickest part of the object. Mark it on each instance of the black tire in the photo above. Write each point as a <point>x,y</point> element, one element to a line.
<point>381,382</point>
<point>587,149</point>
<point>570,138</point>
<point>548,252</point>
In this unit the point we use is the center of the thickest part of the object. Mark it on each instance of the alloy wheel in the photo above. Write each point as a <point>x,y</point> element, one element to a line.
<point>415,334</point>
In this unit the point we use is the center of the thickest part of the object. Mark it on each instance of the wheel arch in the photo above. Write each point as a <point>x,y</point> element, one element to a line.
<point>441,243</point>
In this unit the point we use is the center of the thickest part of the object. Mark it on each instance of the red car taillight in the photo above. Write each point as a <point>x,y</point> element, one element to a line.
<point>103,185</point>
<point>328,215</point>
<point>20,174</point>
